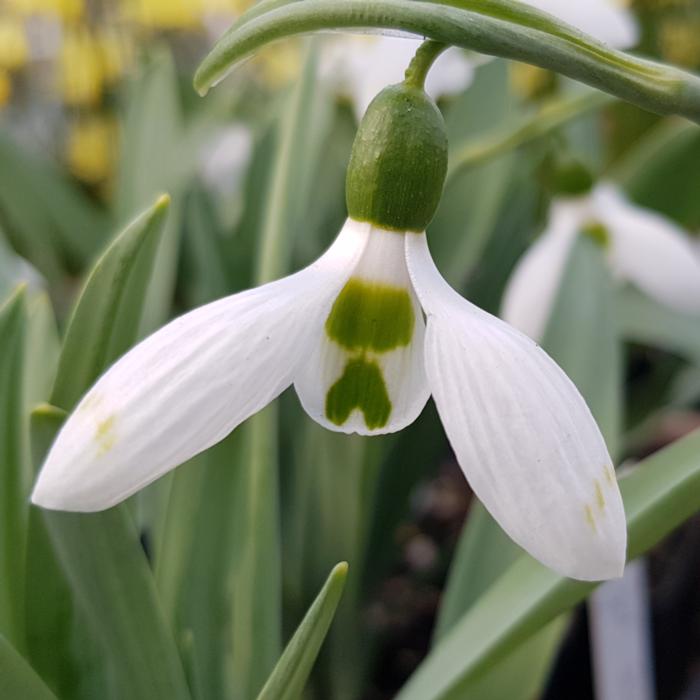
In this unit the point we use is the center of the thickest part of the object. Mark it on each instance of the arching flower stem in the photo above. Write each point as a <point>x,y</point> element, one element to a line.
<point>422,62</point>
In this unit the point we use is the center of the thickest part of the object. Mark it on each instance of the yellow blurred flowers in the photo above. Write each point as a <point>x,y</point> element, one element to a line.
<point>14,48</point>
<point>91,147</point>
<point>67,10</point>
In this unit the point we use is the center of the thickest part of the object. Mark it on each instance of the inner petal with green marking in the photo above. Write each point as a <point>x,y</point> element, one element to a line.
<point>371,316</point>
<point>366,374</point>
<point>361,387</point>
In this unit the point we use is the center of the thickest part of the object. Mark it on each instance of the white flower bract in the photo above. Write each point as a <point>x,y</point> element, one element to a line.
<point>643,248</point>
<point>366,334</point>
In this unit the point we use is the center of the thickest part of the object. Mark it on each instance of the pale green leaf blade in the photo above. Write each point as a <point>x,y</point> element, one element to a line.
<point>654,172</point>
<point>194,565</point>
<point>257,613</point>
<point>17,679</point>
<point>110,579</point>
<point>154,159</point>
<point>472,201</point>
<point>292,670</point>
<point>49,220</point>
<point>105,319</point>
<point>550,116</point>
<point>100,553</point>
<point>483,553</point>
<point>13,455</point>
<point>43,349</point>
<point>583,338</point>
<point>644,320</point>
<point>659,495</point>
<point>49,609</point>
<point>335,493</point>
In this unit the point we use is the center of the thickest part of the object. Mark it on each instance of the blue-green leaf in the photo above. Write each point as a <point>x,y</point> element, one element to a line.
<point>289,676</point>
<point>582,335</point>
<point>106,573</point>
<point>13,455</point>
<point>49,221</point>
<point>659,495</point>
<point>17,679</point>
<point>106,317</point>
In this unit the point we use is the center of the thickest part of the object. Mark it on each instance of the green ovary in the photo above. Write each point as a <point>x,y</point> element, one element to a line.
<point>368,316</point>
<point>598,233</point>
<point>361,387</point>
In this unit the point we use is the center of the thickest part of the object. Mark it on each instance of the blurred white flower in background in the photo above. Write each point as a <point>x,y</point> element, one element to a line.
<point>224,158</point>
<point>642,247</point>
<point>362,65</point>
<point>606,20</point>
<point>15,270</point>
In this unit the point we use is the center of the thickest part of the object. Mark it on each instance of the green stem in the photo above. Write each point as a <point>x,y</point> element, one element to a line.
<point>549,117</point>
<point>497,27</point>
<point>422,62</point>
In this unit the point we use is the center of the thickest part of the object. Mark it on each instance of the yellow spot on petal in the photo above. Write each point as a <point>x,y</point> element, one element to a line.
<point>609,473</point>
<point>599,497</point>
<point>105,435</point>
<point>589,517</point>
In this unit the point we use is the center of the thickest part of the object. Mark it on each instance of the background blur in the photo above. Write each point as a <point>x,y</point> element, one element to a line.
<point>98,116</point>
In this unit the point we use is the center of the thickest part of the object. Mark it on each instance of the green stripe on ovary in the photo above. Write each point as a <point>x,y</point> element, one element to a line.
<point>369,316</point>
<point>360,387</point>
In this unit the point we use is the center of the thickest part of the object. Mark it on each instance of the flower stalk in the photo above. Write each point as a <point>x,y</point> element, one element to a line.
<point>498,28</point>
<point>422,62</point>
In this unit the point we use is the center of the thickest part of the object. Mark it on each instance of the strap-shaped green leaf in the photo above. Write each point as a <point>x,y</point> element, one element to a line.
<point>553,114</point>
<point>292,670</point>
<point>106,317</point>
<point>17,679</point>
<point>100,554</point>
<point>659,494</point>
<point>644,320</point>
<point>257,596</point>
<point>49,220</point>
<point>13,321</point>
<point>498,27</point>
<point>582,336</point>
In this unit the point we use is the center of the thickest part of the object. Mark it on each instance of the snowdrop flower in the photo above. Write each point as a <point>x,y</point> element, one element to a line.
<point>366,334</point>
<point>642,248</point>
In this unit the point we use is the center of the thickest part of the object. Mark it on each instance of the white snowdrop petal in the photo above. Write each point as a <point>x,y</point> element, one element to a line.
<point>521,432</point>
<point>365,373</point>
<point>603,19</point>
<point>651,251</point>
<point>532,288</point>
<point>188,385</point>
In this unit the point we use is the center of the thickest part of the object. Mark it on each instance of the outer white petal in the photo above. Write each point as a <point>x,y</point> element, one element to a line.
<point>603,19</point>
<point>366,65</point>
<point>532,288</point>
<point>187,386</point>
<point>402,369</point>
<point>651,251</point>
<point>521,432</point>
